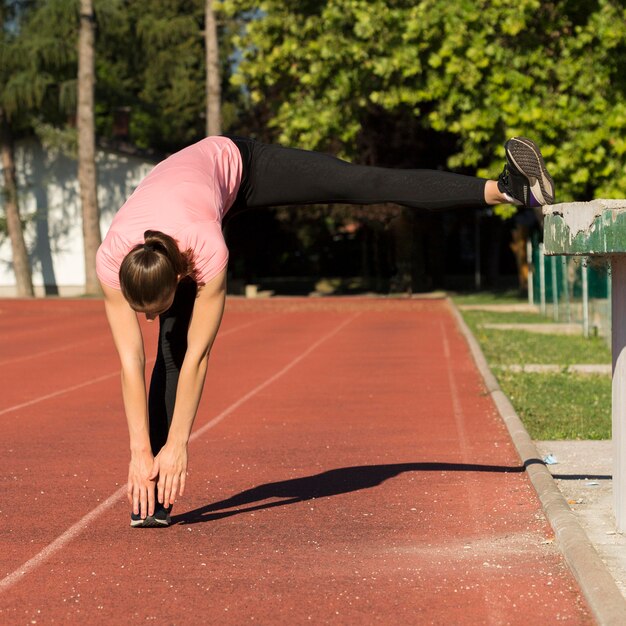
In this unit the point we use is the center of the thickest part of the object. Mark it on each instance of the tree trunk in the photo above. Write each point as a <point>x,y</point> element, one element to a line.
<point>21,262</point>
<point>213,86</point>
<point>87,145</point>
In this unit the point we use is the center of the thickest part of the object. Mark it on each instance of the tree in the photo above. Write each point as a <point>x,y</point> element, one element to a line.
<point>213,86</point>
<point>149,60</point>
<point>21,262</point>
<point>33,56</point>
<point>87,144</point>
<point>8,65</point>
<point>167,67</point>
<point>161,59</point>
<point>443,84</point>
<point>472,73</point>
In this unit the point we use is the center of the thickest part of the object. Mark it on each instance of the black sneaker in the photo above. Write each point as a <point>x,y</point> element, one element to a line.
<point>161,517</point>
<point>525,180</point>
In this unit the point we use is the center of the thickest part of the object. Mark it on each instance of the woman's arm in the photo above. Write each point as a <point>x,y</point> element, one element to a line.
<point>170,464</point>
<point>129,343</point>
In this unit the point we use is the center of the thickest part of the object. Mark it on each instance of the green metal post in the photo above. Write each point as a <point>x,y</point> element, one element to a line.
<point>585,276</point>
<point>529,260</point>
<point>555,290</point>
<point>542,279</point>
<point>565,279</point>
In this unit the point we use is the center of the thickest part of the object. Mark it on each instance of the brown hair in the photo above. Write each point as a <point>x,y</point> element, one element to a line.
<point>150,272</point>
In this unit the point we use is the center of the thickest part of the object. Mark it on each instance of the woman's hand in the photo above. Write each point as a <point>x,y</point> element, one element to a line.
<point>170,466</point>
<point>140,485</point>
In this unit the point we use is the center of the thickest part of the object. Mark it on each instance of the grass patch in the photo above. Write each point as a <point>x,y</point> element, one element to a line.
<point>510,347</point>
<point>476,318</point>
<point>560,406</point>
<point>552,406</point>
<point>489,297</point>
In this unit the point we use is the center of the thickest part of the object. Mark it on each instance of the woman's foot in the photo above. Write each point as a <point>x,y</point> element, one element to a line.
<point>161,517</point>
<point>525,180</point>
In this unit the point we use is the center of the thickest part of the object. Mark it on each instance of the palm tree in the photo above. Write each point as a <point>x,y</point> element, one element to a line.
<point>87,144</point>
<point>21,262</point>
<point>213,88</point>
<point>10,202</point>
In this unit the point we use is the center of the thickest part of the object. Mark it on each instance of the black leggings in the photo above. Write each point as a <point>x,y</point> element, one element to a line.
<point>275,176</point>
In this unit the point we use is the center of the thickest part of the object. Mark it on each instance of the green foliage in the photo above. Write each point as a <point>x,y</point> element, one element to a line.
<point>149,58</point>
<point>164,74</point>
<point>37,75</point>
<point>57,139</point>
<point>479,70</point>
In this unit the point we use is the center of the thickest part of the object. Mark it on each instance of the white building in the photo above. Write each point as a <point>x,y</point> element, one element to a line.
<point>50,203</point>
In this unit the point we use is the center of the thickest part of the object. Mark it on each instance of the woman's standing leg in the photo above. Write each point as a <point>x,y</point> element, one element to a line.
<point>173,326</point>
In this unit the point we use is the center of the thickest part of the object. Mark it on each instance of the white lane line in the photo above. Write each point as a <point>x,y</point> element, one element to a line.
<point>223,333</point>
<point>270,380</point>
<point>496,612</point>
<point>101,340</point>
<point>99,379</point>
<point>37,355</point>
<point>76,529</point>
<point>59,542</point>
<point>60,392</point>
<point>457,407</point>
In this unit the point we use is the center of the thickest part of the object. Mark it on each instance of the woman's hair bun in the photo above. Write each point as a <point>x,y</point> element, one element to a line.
<point>153,266</point>
<point>160,242</point>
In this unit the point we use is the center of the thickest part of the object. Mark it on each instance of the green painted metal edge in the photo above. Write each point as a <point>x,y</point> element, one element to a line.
<point>596,228</point>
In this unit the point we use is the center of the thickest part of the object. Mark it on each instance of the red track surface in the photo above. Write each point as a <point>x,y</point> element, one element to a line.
<point>364,478</point>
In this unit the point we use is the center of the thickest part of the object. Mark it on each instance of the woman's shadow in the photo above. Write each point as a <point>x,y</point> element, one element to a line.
<point>330,483</point>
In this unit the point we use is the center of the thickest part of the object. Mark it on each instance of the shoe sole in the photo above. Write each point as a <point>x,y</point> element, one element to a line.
<point>149,522</point>
<point>526,156</point>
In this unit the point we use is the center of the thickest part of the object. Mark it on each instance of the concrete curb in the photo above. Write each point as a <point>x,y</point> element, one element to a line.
<point>597,585</point>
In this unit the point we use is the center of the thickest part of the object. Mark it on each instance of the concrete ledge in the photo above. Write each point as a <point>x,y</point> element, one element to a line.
<point>596,582</point>
<point>585,228</point>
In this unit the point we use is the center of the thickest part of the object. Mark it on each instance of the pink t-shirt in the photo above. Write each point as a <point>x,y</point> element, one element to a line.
<point>185,196</point>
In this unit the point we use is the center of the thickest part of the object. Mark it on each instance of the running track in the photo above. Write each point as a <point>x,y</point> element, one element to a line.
<point>346,467</point>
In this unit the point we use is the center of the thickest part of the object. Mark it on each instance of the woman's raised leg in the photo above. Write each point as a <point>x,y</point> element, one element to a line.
<point>281,176</point>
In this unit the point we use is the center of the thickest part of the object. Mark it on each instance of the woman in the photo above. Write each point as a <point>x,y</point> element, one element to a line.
<point>164,256</point>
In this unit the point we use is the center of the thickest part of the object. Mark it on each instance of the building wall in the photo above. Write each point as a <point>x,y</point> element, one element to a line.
<point>50,203</point>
